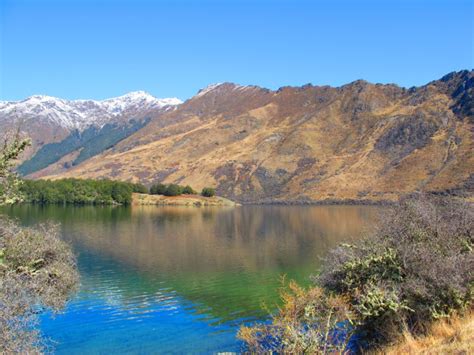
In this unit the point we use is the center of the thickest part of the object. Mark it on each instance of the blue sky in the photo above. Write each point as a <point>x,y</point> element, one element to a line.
<point>99,49</point>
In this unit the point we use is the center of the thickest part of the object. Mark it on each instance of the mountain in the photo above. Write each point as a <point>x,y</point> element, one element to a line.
<point>360,141</point>
<point>74,130</point>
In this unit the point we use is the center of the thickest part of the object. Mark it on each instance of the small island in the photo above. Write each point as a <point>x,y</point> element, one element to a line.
<point>110,192</point>
<point>180,200</point>
<point>177,195</point>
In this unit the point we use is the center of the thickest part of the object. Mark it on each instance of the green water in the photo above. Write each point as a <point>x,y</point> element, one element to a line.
<point>178,279</point>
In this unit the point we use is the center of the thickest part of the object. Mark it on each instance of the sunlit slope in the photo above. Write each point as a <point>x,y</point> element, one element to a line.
<point>361,141</point>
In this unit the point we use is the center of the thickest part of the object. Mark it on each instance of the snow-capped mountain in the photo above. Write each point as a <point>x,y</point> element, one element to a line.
<point>67,132</point>
<point>81,114</point>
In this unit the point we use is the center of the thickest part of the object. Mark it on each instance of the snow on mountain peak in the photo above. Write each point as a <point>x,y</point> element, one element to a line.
<point>225,86</point>
<point>208,89</point>
<point>80,114</point>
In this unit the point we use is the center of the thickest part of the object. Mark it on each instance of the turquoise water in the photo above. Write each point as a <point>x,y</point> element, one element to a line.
<point>181,280</point>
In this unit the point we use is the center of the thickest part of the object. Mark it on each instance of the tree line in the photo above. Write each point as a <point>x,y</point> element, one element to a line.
<point>97,192</point>
<point>79,191</point>
<point>176,190</point>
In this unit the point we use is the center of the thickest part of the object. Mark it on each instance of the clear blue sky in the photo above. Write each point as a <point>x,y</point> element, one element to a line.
<point>99,49</point>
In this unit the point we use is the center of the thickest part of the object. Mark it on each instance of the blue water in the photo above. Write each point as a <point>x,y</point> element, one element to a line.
<point>183,280</point>
<point>101,319</point>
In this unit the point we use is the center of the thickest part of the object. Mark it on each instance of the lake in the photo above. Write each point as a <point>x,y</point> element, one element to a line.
<point>183,279</point>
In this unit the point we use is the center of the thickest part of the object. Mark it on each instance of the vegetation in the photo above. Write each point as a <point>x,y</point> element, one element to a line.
<point>208,192</point>
<point>453,335</point>
<point>79,191</point>
<point>157,189</point>
<point>310,321</point>
<point>37,269</point>
<point>9,181</point>
<point>415,269</point>
<point>171,190</point>
<point>106,138</point>
<point>91,142</point>
<point>37,272</point>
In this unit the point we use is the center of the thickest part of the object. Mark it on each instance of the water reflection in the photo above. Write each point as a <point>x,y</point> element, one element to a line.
<point>204,268</point>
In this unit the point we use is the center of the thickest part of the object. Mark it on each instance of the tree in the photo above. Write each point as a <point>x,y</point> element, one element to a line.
<point>208,192</point>
<point>9,180</point>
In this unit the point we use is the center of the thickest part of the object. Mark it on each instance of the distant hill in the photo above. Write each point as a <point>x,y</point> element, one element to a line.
<point>360,141</point>
<point>71,131</point>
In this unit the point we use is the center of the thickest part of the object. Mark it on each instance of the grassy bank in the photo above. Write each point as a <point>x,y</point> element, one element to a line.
<point>454,335</point>
<point>181,200</point>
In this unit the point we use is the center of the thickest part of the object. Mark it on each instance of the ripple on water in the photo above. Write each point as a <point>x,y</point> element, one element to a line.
<point>183,280</point>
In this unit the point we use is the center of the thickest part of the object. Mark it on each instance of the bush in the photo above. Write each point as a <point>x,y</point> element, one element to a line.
<point>37,271</point>
<point>416,267</point>
<point>139,188</point>
<point>173,190</point>
<point>311,321</point>
<point>157,189</point>
<point>188,190</point>
<point>208,192</point>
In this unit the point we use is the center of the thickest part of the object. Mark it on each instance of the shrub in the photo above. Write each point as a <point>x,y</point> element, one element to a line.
<point>37,271</point>
<point>208,192</point>
<point>310,321</point>
<point>416,267</point>
<point>173,190</point>
<point>188,190</point>
<point>139,188</point>
<point>157,189</point>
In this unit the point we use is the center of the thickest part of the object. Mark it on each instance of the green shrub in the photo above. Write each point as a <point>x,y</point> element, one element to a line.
<point>188,190</point>
<point>173,190</point>
<point>139,188</point>
<point>157,189</point>
<point>208,192</point>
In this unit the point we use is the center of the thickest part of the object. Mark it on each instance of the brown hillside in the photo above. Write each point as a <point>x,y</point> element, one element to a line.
<point>361,141</point>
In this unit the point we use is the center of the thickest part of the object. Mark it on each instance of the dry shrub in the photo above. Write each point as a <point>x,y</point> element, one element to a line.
<point>37,271</point>
<point>417,267</point>
<point>310,321</point>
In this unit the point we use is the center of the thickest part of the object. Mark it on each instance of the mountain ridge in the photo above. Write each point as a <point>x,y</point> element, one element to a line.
<point>359,141</point>
<point>82,112</point>
<point>59,127</point>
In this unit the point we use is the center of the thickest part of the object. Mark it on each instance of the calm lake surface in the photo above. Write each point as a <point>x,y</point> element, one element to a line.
<point>183,279</point>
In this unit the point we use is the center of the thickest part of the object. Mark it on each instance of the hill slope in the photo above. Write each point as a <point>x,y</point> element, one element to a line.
<point>361,141</point>
<point>70,131</point>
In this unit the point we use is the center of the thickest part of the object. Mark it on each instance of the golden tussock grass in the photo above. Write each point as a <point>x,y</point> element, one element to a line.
<point>448,336</point>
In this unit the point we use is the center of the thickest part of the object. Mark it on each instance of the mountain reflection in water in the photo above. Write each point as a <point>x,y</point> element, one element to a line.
<point>183,279</point>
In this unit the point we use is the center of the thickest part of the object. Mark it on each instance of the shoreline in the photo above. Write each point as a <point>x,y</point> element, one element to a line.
<point>181,200</point>
<point>320,203</point>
